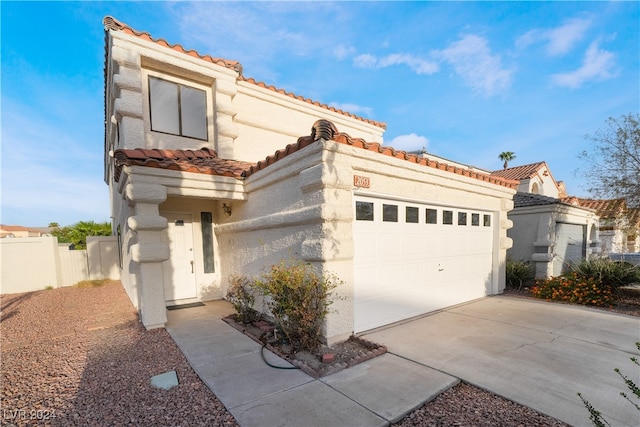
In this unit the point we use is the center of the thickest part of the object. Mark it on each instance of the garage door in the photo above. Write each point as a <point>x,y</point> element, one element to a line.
<point>570,246</point>
<point>413,258</point>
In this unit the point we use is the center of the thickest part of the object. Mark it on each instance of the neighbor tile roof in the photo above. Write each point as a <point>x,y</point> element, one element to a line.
<point>13,228</point>
<point>111,23</point>
<point>206,161</point>
<point>611,208</point>
<point>520,172</point>
<point>203,161</point>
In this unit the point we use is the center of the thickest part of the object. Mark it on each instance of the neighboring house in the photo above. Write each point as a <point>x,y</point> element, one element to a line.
<point>20,231</point>
<point>210,177</point>
<point>551,233</point>
<point>548,231</point>
<point>619,224</point>
<point>534,178</point>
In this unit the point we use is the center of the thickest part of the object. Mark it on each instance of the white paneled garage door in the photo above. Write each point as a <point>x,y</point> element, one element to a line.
<point>413,258</point>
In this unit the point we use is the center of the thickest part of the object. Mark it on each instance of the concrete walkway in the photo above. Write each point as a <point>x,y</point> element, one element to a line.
<point>534,353</point>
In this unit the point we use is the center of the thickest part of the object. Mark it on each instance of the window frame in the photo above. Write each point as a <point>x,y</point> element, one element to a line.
<point>180,138</point>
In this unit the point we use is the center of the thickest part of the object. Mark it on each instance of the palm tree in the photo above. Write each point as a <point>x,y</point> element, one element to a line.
<point>507,156</point>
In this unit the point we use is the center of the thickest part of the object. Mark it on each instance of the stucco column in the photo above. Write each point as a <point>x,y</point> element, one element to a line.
<point>498,282</point>
<point>543,246</point>
<point>227,129</point>
<point>149,251</point>
<point>330,183</point>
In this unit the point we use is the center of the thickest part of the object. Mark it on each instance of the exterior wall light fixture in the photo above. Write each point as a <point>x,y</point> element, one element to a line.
<point>227,209</point>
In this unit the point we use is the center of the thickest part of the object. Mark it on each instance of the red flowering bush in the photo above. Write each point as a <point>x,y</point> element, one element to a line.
<point>575,289</point>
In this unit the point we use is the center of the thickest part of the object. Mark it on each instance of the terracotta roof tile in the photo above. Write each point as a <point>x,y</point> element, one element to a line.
<point>611,208</point>
<point>111,23</point>
<point>14,228</point>
<point>203,161</point>
<point>520,172</point>
<point>377,148</point>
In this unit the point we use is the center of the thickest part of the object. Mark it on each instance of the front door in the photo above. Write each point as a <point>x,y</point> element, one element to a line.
<point>179,269</point>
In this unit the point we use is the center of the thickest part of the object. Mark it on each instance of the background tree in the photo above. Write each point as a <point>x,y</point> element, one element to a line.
<point>612,162</point>
<point>507,156</point>
<point>77,233</point>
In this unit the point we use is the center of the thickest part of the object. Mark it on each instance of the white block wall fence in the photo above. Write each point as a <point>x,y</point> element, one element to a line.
<point>35,263</point>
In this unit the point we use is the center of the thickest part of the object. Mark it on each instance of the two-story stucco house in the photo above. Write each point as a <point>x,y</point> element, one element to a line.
<point>548,230</point>
<point>213,174</point>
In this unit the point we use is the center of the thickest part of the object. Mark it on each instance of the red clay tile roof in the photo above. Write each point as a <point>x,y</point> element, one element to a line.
<point>520,172</point>
<point>14,228</point>
<point>604,208</point>
<point>111,23</point>
<point>206,161</point>
<point>343,138</point>
<point>203,161</point>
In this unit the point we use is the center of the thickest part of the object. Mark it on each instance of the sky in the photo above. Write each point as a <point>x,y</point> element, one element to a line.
<point>463,80</point>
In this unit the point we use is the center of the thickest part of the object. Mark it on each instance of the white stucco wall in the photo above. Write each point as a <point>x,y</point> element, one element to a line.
<point>28,264</point>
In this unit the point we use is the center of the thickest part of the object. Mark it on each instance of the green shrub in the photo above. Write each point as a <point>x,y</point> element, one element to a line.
<point>574,288</point>
<point>607,271</point>
<point>299,299</point>
<point>241,295</point>
<point>518,272</point>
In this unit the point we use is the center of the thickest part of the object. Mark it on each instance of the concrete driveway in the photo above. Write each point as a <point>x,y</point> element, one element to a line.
<point>535,353</point>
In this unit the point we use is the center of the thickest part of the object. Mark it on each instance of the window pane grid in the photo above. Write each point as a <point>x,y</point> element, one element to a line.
<point>177,109</point>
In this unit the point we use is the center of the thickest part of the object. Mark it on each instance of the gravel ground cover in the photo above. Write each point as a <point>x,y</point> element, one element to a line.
<point>79,356</point>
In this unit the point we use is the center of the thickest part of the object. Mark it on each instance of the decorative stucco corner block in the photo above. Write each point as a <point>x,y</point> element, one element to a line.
<point>150,252</point>
<point>140,222</point>
<point>506,243</point>
<point>146,193</point>
<point>325,175</point>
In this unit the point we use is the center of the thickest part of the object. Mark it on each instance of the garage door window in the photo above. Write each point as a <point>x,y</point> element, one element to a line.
<point>487,221</point>
<point>412,214</point>
<point>475,219</point>
<point>390,213</point>
<point>447,217</point>
<point>462,218</point>
<point>364,211</point>
<point>431,216</point>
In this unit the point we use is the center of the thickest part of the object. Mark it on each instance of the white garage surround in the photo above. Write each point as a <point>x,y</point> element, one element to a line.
<point>412,258</point>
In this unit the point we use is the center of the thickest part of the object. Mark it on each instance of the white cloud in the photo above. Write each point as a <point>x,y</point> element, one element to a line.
<point>411,142</point>
<point>559,40</point>
<point>342,52</point>
<point>365,60</point>
<point>598,64</point>
<point>472,60</point>
<point>415,63</point>
<point>353,108</point>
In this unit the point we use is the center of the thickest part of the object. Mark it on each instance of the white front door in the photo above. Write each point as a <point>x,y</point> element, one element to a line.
<point>179,269</point>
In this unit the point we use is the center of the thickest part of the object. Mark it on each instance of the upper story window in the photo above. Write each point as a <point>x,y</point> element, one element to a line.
<point>177,109</point>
